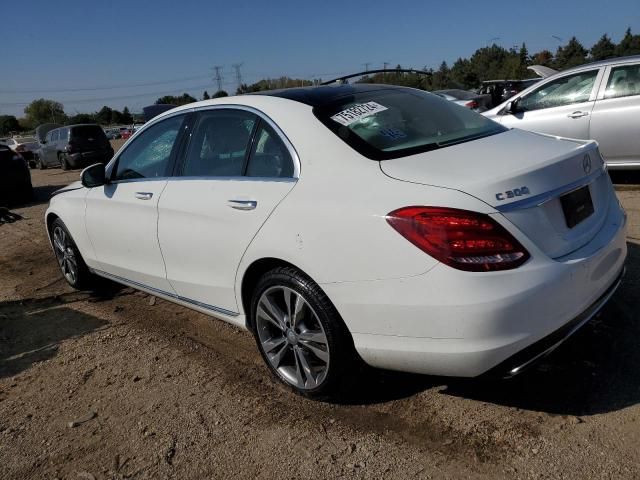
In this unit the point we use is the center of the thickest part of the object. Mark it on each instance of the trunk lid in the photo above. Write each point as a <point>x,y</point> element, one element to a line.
<point>523,175</point>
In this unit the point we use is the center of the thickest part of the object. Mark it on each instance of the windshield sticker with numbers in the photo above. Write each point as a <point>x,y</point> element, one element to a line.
<point>357,112</point>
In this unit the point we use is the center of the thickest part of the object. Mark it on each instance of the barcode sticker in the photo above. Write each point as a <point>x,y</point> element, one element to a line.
<point>357,112</point>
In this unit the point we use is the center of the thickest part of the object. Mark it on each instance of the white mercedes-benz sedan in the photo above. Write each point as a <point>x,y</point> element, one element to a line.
<point>349,222</point>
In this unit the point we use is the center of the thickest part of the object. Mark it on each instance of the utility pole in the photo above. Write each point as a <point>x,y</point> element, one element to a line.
<point>384,74</point>
<point>236,67</point>
<point>218,77</point>
<point>366,66</point>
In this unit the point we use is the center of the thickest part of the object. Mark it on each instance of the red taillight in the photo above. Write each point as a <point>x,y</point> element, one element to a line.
<point>462,239</point>
<point>471,104</point>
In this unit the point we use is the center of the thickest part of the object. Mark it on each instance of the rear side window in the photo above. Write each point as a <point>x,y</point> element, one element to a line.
<point>55,135</point>
<point>623,82</point>
<point>269,157</point>
<point>219,144</point>
<point>148,156</point>
<point>392,123</point>
<point>64,133</point>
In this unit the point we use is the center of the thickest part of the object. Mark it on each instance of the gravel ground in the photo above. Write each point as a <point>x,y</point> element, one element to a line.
<point>117,384</point>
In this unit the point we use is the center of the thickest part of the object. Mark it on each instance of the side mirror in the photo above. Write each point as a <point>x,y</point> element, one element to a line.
<point>93,176</point>
<point>512,107</point>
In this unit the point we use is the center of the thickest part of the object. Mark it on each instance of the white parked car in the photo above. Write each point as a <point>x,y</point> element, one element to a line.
<point>354,220</point>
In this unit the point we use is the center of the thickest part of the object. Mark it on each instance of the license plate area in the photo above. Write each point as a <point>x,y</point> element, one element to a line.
<point>577,206</point>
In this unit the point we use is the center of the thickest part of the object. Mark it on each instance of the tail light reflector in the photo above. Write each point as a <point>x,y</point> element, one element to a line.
<point>465,240</point>
<point>471,104</point>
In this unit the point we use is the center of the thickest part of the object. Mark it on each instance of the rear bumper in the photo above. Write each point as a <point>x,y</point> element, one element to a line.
<point>540,349</point>
<point>84,159</point>
<point>453,323</point>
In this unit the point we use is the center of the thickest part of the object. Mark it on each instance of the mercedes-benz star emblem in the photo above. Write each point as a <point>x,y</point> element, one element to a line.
<point>586,164</point>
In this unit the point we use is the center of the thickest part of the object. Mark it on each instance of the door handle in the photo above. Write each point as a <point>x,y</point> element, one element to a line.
<point>242,204</point>
<point>144,195</point>
<point>578,114</point>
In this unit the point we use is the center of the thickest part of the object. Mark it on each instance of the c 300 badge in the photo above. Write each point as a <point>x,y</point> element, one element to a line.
<point>516,192</point>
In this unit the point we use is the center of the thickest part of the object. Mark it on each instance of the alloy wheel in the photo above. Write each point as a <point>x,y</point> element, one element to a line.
<point>65,254</point>
<point>292,337</point>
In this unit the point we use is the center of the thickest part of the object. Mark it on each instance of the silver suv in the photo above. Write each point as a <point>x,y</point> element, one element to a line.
<point>599,100</point>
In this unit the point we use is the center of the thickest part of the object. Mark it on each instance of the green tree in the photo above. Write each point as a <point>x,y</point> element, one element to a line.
<point>103,117</point>
<point>571,55</point>
<point>44,111</point>
<point>629,45</point>
<point>127,118</point>
<point>205,95</point>
<point>81,118</point>
<point>220,93</point>
<point>8,124</point>
<point>173,100</point>
<point>543,57</point>
<point>603,49</point>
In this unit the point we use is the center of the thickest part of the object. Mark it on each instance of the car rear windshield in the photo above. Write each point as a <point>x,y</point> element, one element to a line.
<point>392,123</point>
<point>86,131</point>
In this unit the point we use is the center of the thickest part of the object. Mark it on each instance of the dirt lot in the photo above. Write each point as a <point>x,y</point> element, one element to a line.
<point>118,385</point>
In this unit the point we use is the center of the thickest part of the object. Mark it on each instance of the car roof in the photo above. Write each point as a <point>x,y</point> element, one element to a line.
<point>602,63</point>
<point>324,94</point>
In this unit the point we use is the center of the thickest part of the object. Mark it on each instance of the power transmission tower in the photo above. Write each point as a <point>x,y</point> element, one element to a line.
<point>218,77</point>
<point>236,67</point>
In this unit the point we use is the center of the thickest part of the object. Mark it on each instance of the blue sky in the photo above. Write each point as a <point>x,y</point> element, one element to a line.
<point>69,50</point>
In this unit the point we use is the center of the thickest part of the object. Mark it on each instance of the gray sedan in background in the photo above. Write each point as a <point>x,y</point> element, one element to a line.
<point>474,101</point>
<point>599,101</point>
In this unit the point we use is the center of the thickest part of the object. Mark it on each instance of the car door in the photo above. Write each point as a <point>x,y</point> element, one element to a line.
<point>122,216</point>
<point>561,106</point>
<point>236,169</point>
<point>614,120</point>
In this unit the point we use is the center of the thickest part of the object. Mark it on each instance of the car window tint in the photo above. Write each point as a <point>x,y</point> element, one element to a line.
<point>563,91</point>
<point>64,133</point>
<point>623,82</point>
<point>55,135</point>
<point>219,144</point>
<point>270,157</point>
<point>148,155</point>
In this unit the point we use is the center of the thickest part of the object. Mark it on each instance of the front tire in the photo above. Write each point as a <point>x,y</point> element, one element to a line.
<point>40,163</point>
<point>71,263</point>
<point>300,334</point>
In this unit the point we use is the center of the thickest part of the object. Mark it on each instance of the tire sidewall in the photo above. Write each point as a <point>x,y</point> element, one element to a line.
<point>338,339</point>
<point>84,275</point>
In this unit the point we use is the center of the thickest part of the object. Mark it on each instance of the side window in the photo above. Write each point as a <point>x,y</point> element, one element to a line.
<point>148,155</point>
<point>219,144</point>
<point>563,91</point>
<point>623,82</point>
<point>64,133</point>
<point>49,137</point>
<point>55,135</point>
<point>269,157</point>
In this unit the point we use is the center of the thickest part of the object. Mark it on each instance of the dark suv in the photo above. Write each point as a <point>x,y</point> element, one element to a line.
<point>74,146</point>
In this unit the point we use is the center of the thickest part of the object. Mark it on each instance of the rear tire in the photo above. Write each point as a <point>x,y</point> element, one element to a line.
<point>71,263</point>
<point>64,163</point>
<point>300,334</point>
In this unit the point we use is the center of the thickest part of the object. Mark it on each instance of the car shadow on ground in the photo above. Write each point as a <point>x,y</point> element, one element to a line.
<point>595,371</point>
<point>31,330</point>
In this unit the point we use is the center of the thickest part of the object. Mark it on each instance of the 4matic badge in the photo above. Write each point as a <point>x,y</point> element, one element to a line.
<point>516,192</point>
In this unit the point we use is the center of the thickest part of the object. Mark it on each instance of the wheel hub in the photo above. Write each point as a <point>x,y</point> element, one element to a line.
<point>292,338</point>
